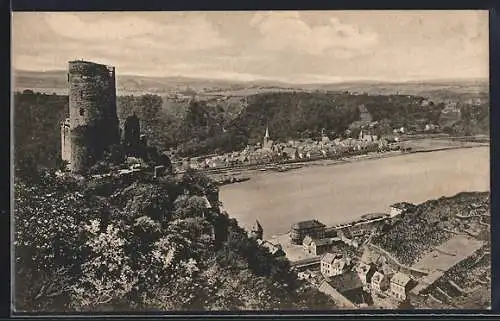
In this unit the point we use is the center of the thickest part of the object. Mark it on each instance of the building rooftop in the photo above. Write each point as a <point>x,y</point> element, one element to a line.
<point>307,240</point>
<point>85,62</point>
<point>307,224</point>
<point>329,258</point>
<point>272,248</point>
<point>319,242</point>
<point>377,277</point>
<point>400,279</point>
<point>340,263</point>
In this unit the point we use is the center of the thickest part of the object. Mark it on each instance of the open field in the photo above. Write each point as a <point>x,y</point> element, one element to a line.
<point>336,194</point>
<point>449,253</point>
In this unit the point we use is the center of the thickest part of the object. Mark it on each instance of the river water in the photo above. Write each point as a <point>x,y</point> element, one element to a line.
<point>339,193</point>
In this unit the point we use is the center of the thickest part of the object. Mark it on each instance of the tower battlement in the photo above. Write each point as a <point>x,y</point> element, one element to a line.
<point>92,112</point>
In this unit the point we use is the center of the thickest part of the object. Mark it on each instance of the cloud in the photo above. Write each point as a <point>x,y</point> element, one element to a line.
<point>195,33</point>
<point>291,46</point>
<point>285,31</point>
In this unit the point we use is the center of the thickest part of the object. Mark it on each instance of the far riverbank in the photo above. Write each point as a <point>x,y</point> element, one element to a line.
<point>417,146</point>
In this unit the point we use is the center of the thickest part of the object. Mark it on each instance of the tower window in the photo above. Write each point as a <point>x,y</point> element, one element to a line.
<point>82,111</point>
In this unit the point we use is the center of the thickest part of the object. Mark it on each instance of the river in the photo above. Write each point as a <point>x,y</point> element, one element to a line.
<point>339,193</point>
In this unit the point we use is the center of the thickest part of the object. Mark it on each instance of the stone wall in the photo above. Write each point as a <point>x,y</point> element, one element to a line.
<point>66,141</point>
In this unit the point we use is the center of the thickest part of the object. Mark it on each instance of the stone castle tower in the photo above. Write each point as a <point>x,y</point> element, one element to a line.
<point>93,122</point>
<point>131,132</point>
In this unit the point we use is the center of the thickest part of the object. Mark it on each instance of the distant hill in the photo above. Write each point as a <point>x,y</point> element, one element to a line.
<point>56,81</point>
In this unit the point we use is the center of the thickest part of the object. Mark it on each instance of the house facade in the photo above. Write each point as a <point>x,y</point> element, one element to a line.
<point>365,273</point>
<point>379,282</point>
<point>334,264</point>
<point>316,246</point>
<point>300,230</point>
<point>319,246</point>
<point>399,286</point>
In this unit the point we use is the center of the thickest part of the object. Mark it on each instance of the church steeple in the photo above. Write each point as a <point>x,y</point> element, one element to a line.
<point>267,133</point>
<point>257,231</point>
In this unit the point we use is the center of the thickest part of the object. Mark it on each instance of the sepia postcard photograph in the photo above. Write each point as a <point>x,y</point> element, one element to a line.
<point>189,161</point>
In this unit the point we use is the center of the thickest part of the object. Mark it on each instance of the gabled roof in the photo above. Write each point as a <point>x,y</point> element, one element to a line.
<point>400,279</point>
<point>307,224</point>
<point>328,258</point>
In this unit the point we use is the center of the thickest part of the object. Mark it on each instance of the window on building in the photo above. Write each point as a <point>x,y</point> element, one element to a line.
<point>82,111</point>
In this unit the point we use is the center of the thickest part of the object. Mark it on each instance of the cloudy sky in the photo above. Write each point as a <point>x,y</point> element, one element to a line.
<point>305,46</point>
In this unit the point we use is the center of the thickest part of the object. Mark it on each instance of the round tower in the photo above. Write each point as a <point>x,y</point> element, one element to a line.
<point>92,112</point>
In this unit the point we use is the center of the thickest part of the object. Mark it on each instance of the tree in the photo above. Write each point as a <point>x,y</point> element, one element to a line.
<point>115,154</point>
<point>108,244</point>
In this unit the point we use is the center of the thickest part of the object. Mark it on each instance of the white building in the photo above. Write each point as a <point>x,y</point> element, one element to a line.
<point>379,282</point>
<point>399,286</point>
<point>334,264</point>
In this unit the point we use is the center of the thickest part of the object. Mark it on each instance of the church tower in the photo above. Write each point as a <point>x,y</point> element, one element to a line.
<point>257,231</point>
<point>268,143</point>
<point>266,137</point>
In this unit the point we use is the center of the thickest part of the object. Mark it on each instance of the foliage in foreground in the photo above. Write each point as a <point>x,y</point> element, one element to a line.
<point>111,245</point>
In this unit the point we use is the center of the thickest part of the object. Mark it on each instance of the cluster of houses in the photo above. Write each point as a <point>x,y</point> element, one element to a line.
<point>343,275</point>
<point>361,283</point>
<point>307,149</point>
<point>383,281</point>
<point>317,239</point>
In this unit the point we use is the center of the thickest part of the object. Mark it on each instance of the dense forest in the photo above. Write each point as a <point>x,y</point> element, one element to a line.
<point>203,127</point>
<point>141,244</point>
